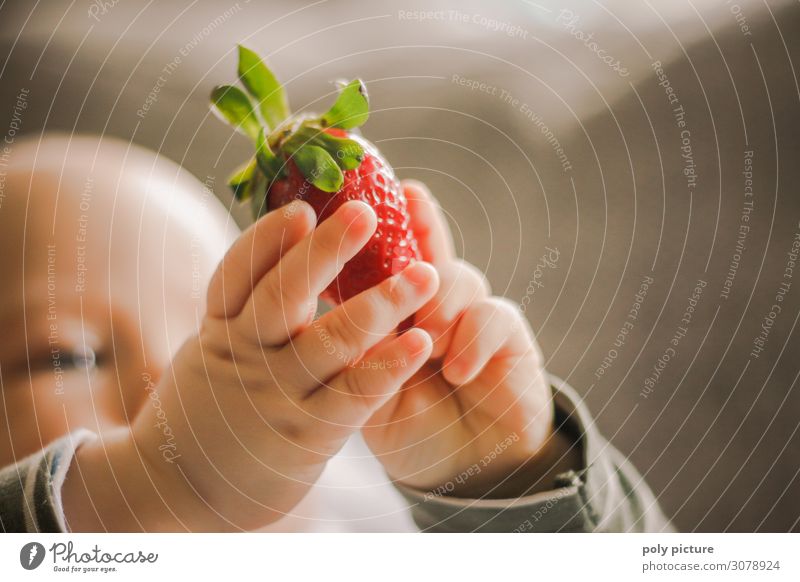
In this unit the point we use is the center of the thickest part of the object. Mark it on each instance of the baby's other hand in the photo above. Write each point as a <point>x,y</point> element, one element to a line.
<point>477,419</point>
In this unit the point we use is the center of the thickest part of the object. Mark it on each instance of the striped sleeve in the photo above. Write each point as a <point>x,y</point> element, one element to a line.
<point>30,490</point>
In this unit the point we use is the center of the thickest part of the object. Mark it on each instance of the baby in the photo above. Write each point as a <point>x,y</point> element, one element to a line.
<point>161,373</point>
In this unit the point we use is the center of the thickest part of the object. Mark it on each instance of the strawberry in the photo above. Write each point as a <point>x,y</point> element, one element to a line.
<point>320,159</point>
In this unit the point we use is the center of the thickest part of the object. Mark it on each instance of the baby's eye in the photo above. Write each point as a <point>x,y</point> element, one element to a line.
<point>68,359</point>
<point>65,359</point>
<point>78,358</point>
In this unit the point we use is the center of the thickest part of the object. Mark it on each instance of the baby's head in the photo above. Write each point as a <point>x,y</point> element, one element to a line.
<point>107,250</point>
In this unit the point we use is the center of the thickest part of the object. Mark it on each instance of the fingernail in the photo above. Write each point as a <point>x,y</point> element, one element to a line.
<point>434,332</point>
<point>293,208</point>
<point>416,341</point>
<point>455,370</point>
<point>466,371</point>
<point>418,274</point>
<point>349,212</point>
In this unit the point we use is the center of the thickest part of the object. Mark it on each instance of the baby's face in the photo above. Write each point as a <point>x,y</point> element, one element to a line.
<point>106,255</point>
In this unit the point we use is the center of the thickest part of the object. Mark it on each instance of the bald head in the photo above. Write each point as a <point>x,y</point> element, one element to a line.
<point>118,225</point>
<point>107,251</point>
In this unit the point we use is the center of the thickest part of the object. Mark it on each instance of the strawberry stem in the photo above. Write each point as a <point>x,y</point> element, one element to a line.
<point>320,156</point>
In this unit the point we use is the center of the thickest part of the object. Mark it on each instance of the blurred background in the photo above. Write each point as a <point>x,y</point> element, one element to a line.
<point>652,147</point>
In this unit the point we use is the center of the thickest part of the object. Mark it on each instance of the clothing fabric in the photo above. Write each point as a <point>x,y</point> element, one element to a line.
<point>604,494</point>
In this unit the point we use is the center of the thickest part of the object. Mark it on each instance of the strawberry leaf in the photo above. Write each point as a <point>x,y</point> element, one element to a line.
<point>264,87</point>
<point>240,179</point>
<point>347,153</point>
<point>233,106</point>
<point>351,108</point>
<point>319,168</point>
<point>268,162</point>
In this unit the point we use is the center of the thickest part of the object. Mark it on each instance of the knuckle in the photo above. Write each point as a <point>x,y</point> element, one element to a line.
<point>326,244</point>
<point>486,309</point>
<point>356,385</point>
<point>299,315</point>
<point>507,307</point>
<point>515,320</point>
<point>275,292</point>
<point>393,294</point>
<point>369,317</point>
<point>472,276</point>
<point>345,335</point>
<point>293,430</point>
<point>495,311</point>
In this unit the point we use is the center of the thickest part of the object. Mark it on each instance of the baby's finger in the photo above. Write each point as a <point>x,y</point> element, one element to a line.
<point>355,394</point>
<point>428,223</point>
<point>285,299</point>
<point>343,335</point>
<point>253,254</point>
<point>461,285</point>
<point>489,328</point>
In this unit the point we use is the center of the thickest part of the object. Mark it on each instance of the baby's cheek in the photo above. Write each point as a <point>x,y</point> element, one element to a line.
<point>63,403</point>
<point>59,402</point>
<point>35,414</point>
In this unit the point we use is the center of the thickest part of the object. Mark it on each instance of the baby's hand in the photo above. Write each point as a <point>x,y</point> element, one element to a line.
<point>254,406</point>
<point>482,407</point>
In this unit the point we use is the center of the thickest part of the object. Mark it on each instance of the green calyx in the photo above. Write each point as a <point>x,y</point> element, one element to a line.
<point>261,112</point>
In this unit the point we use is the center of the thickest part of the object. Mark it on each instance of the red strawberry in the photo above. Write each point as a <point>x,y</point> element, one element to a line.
<point>316,159</point>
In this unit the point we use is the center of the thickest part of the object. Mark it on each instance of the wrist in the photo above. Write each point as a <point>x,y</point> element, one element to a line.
<point>111,487</point>
<point>560,454</point>
<point>523,474</point>
<point>90,498</point>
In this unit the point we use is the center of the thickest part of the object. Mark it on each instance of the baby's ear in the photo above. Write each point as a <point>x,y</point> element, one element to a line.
<point>253,254</point>
<point>428,223</point>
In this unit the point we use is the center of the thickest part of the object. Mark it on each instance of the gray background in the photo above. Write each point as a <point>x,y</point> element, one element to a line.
<point>718,437</point>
